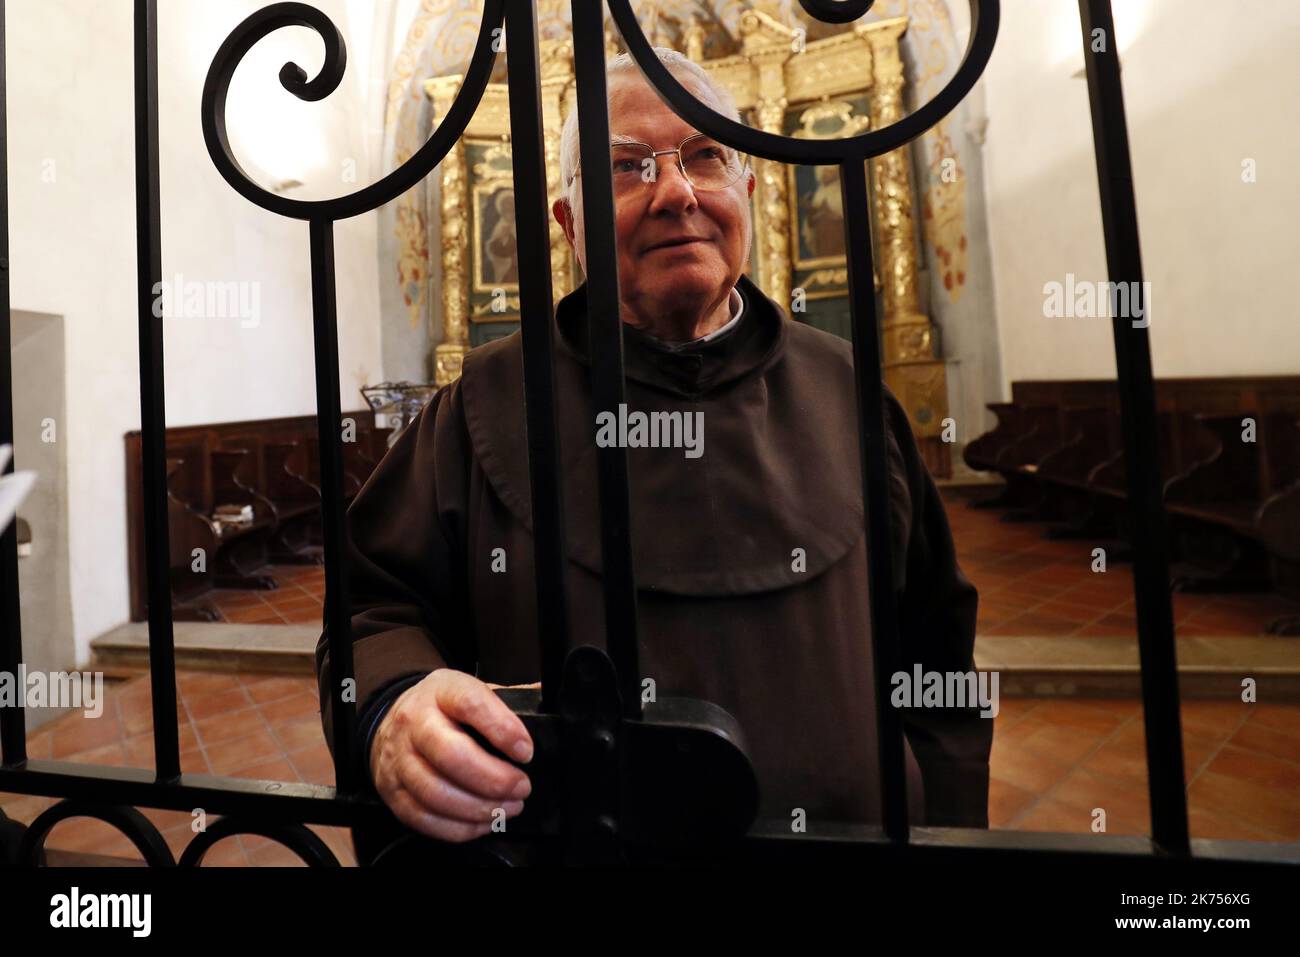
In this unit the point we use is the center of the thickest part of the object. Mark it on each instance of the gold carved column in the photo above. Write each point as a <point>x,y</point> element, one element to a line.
<point>490,124</point>
<point>772,206</point>
<point>916,377</point>
<point>449,353</point>
<point>776,69</point>
<point>558,97</point>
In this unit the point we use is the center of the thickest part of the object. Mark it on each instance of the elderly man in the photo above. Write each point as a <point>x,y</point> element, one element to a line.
<point>748,538</point>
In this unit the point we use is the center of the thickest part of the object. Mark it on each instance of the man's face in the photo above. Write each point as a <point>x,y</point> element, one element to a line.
<point>679,249</point>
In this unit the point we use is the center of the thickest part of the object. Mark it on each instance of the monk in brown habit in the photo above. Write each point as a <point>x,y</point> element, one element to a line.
<point>747,525</point>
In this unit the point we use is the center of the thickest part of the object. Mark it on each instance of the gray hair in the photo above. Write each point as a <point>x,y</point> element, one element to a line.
<point>678,65</point>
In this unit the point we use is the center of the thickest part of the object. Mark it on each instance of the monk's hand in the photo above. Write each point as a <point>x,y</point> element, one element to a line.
<point>434,776</point>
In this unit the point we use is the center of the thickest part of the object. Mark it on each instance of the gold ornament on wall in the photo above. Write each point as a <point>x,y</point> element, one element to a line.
<point>835,86</point>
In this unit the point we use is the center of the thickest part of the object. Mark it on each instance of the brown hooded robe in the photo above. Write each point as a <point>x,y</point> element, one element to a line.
<point>750,559</point>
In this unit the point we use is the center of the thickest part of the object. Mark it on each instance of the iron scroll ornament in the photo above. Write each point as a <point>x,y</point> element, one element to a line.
<point>984,16</point>
<point>153,848</point>
<point>298,838</point>
<point>294,79</point>
<point>137,828</point>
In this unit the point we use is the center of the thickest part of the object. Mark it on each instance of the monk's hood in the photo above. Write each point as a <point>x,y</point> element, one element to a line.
<point>773,500</point>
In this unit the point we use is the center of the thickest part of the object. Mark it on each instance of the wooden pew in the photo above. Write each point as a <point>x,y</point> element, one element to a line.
<point>1176,455</point>
<point>1278,520</point>
<point>191,540</point>
<point>243,550</point>
<point>1224,528</point>
<point>1086,442</point>
<point>1234,506</point>
<point>1224,488</point>
<point>296,538</point>
<point>1018,461</point>
<point>1090,441</point>
<point>270,465</point>
<point>981,453</point>
<point>304,464</point>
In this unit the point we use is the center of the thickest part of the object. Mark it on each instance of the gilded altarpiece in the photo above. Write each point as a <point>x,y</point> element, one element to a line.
<point>837,86</point>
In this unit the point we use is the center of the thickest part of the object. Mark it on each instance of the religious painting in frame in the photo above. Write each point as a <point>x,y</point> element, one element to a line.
<point>494,264</point>
<point>817,260</point>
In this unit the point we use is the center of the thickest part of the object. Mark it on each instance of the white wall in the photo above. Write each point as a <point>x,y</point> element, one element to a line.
<point>72,230</point>
<point>1206,86</point>
<point>46,598</point>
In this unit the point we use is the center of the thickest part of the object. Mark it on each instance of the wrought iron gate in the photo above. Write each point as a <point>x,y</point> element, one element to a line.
<point>281,810</point>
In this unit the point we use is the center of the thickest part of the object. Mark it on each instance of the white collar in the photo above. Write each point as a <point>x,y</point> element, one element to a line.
<point>737,307</point>
<point>737,302</point>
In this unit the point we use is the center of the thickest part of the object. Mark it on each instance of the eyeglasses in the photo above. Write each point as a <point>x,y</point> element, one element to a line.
<point>706,164</point>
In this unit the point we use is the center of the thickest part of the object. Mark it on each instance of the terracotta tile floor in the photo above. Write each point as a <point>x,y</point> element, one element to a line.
<point>1056,760</point>
<point>298,600</point>
<point>1030,585</point>
<point>245,726</point>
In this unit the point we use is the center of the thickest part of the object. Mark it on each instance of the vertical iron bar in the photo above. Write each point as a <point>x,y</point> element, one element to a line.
<point>874,454</point>
<point>329,422</point>
<point>13,721</point>
<point>1141,441</point>
<point>605,338</point>
<point>537,327</point>
<point>153,413</point>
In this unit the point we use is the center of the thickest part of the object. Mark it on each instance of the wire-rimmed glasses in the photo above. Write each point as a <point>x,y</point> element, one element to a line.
<point>704,162</point>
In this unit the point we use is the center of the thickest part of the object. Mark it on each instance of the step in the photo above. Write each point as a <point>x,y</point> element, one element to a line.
<point>1208,667</point>
<point>214,646</point>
